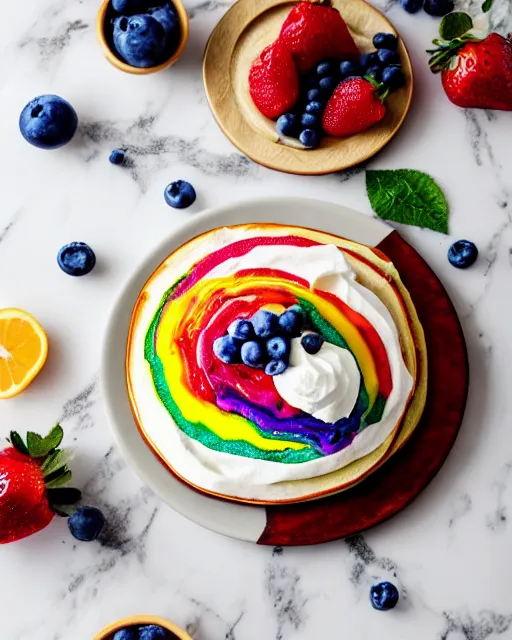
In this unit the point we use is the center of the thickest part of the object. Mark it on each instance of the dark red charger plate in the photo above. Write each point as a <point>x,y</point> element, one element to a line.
<point>403,477</point>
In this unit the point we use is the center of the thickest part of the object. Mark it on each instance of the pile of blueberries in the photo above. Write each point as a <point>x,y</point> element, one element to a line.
<point>146,632</point>
<point>383,65</point>
<point>141,34</point>
<point>263,342</point>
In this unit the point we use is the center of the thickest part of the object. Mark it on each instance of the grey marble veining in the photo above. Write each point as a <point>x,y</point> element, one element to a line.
<point>449,552</point>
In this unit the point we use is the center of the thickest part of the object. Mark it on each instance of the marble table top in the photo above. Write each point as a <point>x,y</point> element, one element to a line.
<point>450,551</point>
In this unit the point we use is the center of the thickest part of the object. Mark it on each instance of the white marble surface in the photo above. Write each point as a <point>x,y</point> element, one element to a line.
<point>450,551</point>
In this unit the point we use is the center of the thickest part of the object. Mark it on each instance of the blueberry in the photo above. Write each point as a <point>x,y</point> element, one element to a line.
<point>180,194</point>
<point>386,56</point>
<point>375,73</point>
<point>412,6</point>
<point>369,60</point>
<point>310,121</point>
<point>126,634</point>
<point>439,7</point>
<point>325,69</point>
<point>128,6</point>
<point>393,77</point>
<point>384,596</point>
<point>227,350</point>
<point>168,18</point>
<point>309,138</point>
<point>154,632</point>
<point>265,323</point>
<point>140,40</point>
<point>291,321</point>
<point>312,343</point>
<point>117,156</point>
<point>287,125</point>
<point>315,95</point>
<point>86,523</point>
<point>76,259</point>
<point>275,367</point>
<point>253,354</point>
<point>314,107</point>
<point>241,329</point>
<point>278,347</point>
<point>328,83</point>
<point>348,68</point>
<point>48,122</point>
<point>462,254</point>
<point>385,41</point>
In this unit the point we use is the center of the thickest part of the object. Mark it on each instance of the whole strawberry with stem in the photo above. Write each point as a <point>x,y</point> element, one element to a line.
<point>475,73</point>
<point>356,105</point>
<point>33,484</point>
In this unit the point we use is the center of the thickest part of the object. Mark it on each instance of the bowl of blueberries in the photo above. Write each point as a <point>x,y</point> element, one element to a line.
<point>142,36</point>
<point>142,628</point>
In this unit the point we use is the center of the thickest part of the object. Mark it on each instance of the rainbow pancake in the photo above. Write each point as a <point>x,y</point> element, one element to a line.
<point>283,413</point>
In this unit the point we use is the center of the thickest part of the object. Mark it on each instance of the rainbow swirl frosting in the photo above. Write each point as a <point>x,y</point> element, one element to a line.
<point>231,429</point>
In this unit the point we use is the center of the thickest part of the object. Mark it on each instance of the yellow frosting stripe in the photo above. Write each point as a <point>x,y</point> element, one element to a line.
<point>185,313</point>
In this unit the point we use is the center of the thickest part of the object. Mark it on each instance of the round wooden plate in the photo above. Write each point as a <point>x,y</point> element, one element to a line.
<point>249,26</point>
<point>378,497</point>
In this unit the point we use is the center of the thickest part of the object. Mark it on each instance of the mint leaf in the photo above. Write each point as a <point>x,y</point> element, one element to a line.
<point>487,5</point>
<point>409,197</point>
<point>454,25</point>
<point>17,442</point>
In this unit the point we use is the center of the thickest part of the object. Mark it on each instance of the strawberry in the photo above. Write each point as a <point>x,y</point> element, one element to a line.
<point>481,75</point>
<point>356,105</point>
<point>313,32</point>
<point>32,476</point>
<point>273,81</point>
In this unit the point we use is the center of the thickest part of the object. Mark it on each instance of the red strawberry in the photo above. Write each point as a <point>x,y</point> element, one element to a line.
<point>355,105</point>
<point>273,81</point>
<point>313,32</point>
<point>30,475</point>
<point>482,77</point>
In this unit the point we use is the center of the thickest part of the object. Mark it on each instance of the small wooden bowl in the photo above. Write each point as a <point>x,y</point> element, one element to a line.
<point>140,71</point>
<point>137,621</point>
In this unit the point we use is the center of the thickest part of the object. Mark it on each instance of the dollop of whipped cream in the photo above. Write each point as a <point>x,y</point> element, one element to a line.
<point>325,385</point>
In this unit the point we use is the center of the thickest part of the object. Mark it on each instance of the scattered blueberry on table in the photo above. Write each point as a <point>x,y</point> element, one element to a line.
<point>140,35</point>
<point>86,524</point>
<point>436,8</point>
<point>180,194</point>
<point>384,596</point>
<point>76,259</point>
<point>312,343</point>
<point>48,122</point>
<point>117,156</point>
<point>462,254</point>
<point>412,6</point>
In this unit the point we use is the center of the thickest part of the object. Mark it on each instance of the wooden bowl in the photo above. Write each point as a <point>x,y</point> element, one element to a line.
<point>238,39</point>
<point>134,621</point>
<point>112,57</point>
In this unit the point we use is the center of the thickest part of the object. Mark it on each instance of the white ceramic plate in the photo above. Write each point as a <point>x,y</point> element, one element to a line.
<point>229,518</point>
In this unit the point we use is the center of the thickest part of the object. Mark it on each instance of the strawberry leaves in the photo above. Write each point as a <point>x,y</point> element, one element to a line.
<point>487,6</point>
<point>39,447</point>
<point>62,500</point>
<point>17,442</point>
<point>408,197</point>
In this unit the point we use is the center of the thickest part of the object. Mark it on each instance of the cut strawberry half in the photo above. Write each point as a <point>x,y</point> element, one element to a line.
<point>314,32</point>
<point>274,81</point>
